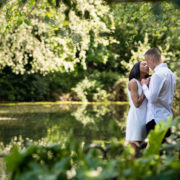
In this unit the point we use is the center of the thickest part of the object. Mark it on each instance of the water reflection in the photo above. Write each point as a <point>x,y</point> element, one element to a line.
<point>90,122</point>
<point>3,175</point>
<point>87,122</point>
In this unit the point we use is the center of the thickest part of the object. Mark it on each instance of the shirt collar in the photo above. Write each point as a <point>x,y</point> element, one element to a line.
<point>160,66</point>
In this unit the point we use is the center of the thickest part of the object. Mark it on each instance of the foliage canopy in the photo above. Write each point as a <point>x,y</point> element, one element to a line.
<point>43,36</point>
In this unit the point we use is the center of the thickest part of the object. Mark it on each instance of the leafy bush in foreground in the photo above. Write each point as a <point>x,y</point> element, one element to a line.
<point>68,160</point>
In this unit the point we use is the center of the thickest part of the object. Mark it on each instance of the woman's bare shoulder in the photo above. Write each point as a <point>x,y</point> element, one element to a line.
<point>132,84</point>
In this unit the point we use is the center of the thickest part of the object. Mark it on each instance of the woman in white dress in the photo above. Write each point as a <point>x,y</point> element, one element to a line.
<point>136,121</point>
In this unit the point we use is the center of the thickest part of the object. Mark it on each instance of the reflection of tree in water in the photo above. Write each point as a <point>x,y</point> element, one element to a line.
<point>54,121</point>
<point>121,112</point>
<point>91,113</point>
<point>3,174</point>
<point>102,120</point>
<point>87,122</point>
<point>81,115</point>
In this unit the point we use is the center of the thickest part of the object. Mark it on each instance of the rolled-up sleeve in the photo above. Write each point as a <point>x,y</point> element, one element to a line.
<point>154,89</point>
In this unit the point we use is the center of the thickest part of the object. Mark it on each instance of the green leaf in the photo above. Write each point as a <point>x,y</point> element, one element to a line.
<point>175,165</point>
<point>27,21</point>
<point>14,159</point>
<point>156,136</point>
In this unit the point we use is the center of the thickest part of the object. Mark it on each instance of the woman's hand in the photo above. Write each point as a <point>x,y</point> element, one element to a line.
<point>145,81</point>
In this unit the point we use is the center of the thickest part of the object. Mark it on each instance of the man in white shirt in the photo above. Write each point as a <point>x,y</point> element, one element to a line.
<point>160,92</point>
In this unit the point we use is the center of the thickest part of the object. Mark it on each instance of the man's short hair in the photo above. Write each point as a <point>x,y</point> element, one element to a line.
<point>153,53</point>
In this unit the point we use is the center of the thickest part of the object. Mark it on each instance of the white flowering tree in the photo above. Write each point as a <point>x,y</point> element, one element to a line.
<point>43,36</point>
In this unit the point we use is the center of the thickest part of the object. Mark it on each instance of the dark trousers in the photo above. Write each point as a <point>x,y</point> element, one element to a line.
<point>151,125</point>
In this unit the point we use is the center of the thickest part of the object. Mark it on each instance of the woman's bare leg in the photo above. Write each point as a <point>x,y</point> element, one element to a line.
<point>136,146</point>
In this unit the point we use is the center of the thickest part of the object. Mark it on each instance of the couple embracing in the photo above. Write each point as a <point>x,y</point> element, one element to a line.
<point>150,97</point>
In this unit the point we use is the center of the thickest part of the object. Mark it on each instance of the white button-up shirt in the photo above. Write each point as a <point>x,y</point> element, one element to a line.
<point>160,94</point>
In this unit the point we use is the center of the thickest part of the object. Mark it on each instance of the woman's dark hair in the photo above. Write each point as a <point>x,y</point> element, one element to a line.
<point>135,71</point>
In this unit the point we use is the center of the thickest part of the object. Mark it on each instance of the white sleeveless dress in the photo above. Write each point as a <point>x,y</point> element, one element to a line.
<point>136,121</point>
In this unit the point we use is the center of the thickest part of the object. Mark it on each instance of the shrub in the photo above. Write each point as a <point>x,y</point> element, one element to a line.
<point>71,160</point>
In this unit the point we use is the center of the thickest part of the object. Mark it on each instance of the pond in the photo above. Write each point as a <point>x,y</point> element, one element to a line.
<point>90,122</point>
